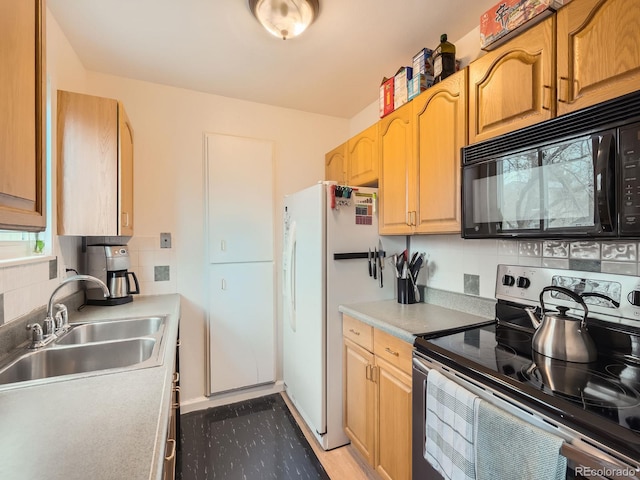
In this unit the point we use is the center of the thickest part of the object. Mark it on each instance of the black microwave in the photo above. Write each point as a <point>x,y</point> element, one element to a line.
<point>573,176</point>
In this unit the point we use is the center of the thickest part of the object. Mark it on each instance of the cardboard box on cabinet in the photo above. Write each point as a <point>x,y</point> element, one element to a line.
<point>401,86</point>
<point>418,84</point>
<point>386,96</point>
<point>509,18</point>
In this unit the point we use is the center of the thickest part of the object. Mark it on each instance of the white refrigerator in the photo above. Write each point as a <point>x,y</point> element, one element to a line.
<point>319,225</point>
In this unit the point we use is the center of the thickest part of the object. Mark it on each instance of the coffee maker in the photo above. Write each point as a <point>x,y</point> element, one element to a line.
<point>110,263</point>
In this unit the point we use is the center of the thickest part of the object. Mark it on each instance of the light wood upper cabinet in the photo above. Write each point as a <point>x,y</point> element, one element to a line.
<point>440,115</point>
<point>335,165</point>
<point>125,174</point>
<point>362,157</point>
<point>95,166</point>
<point>513,86</point>
<point>598,51</point>
<point>22,122</point>
<point>397,198</point>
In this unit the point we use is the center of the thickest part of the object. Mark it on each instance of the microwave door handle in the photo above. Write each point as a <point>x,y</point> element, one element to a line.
<point>604,187</point>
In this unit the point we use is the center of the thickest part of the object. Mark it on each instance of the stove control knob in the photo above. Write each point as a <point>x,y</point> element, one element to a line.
<point>508,280</point>
<point>634,298</point>
<point>523,282</point>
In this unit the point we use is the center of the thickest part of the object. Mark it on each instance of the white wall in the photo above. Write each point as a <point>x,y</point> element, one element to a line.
<point>169,124</point>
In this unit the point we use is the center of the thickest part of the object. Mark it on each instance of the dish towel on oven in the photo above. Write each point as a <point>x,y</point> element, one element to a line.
<point>508,448</point>
<point>451,412</point>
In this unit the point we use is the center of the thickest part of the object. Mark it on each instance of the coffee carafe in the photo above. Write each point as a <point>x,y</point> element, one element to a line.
<point>110,263</point>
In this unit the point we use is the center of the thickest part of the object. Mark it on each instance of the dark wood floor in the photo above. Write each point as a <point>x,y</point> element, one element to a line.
<point>256,439</point>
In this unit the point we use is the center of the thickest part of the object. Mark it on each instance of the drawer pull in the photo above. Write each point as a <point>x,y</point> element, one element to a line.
<point>355,332</point>
<point>388,350</point>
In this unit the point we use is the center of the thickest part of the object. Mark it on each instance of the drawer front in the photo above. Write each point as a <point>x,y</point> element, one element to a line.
<point>358,332</point>
<point>394,350</point>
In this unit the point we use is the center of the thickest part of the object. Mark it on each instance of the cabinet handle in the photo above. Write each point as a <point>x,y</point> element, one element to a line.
<point>125,222</point>
<point>355,332</point>
<point>176,377</point>
<point>414,218</point>
<point>173,449</point>
<point>223,245</point>
<point>223,284</point>
<point>562,98</point>
<point>388,350</point>
<point>546,97</point>
<point>375,371</point>
<point>407,219</point>
<point>367,372</point>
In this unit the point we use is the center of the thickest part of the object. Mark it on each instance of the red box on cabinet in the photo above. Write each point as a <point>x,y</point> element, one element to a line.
<point>508,18</point>
<point>386,96</point>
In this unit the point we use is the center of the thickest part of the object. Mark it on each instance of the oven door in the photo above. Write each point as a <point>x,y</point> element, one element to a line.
<point>421,469</point>
<point>565,188</point>
<point>584,460</point>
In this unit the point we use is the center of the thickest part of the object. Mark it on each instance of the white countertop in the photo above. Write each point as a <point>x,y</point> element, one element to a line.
<point>405,321</point>
<point>107,426</point>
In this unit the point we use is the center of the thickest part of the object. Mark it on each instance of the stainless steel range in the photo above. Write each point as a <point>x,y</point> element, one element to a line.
<point>593,405</point>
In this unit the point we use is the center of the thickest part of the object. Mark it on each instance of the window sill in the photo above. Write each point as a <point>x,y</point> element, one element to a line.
<point>12,262</point>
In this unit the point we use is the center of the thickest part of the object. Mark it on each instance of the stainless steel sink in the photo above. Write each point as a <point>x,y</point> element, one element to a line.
<point>54,362</point>
<point>89,349</point>
<point>112,330</point>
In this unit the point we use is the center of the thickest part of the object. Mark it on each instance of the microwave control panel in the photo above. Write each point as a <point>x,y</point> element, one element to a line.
<point>629,149</point>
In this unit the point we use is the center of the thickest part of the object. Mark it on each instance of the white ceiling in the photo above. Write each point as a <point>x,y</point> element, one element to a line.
<point>217,46</point>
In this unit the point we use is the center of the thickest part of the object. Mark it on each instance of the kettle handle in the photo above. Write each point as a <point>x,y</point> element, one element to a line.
<point>574,296</point>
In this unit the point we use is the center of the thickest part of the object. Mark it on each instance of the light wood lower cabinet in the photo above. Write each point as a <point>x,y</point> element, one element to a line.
<point>377,397</point>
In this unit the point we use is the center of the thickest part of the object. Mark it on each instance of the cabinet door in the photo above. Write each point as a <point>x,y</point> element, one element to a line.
<point>335,165</point>
<point>125,176</point>
<point>22,121</point>
<point>393,449</point>
<point>514,85</point>
<point>598,52</point>
<point>239,199</point>
<point>359,394</point>
<point>362,157</point>
<point>241,325</point>
<point>396,161</point>
<point>440,114</point>
<point>87,165</point>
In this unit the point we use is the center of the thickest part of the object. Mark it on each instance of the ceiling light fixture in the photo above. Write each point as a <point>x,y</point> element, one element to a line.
<point>285,18</point>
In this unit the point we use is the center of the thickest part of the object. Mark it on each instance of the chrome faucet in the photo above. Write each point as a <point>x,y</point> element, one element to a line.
<point>58,323</point>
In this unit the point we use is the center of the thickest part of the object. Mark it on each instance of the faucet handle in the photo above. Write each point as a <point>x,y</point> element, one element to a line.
<point>36,335</point>
<point>48,326</point>
<point>61,318</point>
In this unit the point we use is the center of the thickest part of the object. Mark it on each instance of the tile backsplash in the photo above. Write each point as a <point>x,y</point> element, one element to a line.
<point>27,287</point>
<point>469,266</point>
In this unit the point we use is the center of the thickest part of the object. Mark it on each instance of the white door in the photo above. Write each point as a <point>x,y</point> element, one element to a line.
<point>240,199</point>
<point>241,325</point>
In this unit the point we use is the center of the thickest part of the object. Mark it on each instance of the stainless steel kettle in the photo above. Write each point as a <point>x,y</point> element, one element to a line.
<point>561,336</point>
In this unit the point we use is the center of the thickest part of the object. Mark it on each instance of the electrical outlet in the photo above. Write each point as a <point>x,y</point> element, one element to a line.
<point>165,240</point>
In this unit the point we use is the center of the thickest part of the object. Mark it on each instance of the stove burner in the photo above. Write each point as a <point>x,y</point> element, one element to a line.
<point>580,384</point>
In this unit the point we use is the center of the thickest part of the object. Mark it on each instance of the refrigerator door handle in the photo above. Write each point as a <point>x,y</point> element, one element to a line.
<point>290,276</point>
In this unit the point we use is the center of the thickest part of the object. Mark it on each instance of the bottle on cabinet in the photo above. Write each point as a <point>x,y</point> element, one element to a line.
<point>444,59</point>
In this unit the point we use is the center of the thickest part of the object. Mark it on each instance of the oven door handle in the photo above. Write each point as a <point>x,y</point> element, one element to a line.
<point>421,365</point>
<point>616,470</point>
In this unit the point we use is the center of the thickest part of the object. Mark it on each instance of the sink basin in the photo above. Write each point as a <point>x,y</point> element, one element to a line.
<point>80,359</point>
<point>112,330</point>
